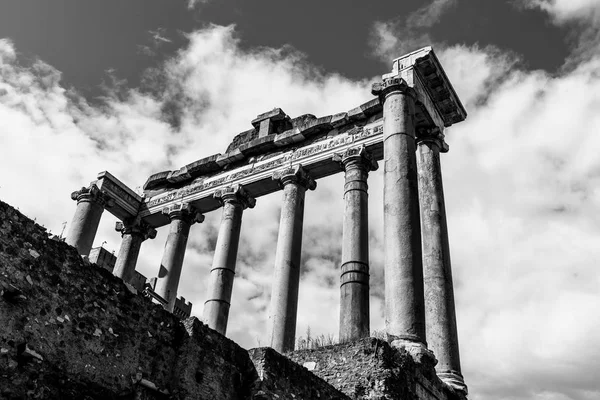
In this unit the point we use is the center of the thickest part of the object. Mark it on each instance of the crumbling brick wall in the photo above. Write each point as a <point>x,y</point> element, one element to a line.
<point>275,371</point>
<point>371,369</point>
<point>70,330</point>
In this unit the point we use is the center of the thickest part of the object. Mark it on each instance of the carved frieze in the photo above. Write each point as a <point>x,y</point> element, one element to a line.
<point>302,155</point>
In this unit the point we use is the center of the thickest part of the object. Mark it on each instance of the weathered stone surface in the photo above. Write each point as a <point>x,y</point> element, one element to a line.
<point>157,180</point>
<point>354,274</point>
<point>182,217</point>
<point>90,206</point>
<point>72,330</point>
<point>404,308</point>
<point>442,336</point>
<point>281,378</point>
<point>203,166</point>
<point>371,369</point>
<point>286,276</point>
<point>220,287</point>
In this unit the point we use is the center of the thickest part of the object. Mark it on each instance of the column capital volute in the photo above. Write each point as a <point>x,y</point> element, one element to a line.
<point>295,174</point>
<point>434,136</point>
<point>92,194</point>
<point>133,226</point>
<point>184,212</point>
<point>356,157</point>
<point>390,85</point>
<point>235,194</point>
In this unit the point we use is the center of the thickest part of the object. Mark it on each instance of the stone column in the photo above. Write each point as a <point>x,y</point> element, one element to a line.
<point>216,309</point>
<point>286,279</point>
<point>354,278</point>
<point>404,303</point>
<point>440,316</point>
<point>182,217</point>
<point>90,205</point>
<point>133,233</point>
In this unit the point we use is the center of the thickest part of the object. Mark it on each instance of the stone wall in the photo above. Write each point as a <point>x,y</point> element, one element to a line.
<point>283,379</point>
<point>73,330</point>
<point>371,369</point>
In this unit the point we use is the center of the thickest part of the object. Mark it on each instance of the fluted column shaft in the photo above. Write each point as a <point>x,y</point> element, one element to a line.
<point>354,278</point>
<point>90,205</point>
<point>182,217</point>
<point>286,279</point>
<point>440,315</point>
<point>405,313</point>
<point>216,308</point>
<point>133,233</point>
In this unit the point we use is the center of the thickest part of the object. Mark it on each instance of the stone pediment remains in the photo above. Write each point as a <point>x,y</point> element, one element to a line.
<point>274,131</point>
<point>404,126</point>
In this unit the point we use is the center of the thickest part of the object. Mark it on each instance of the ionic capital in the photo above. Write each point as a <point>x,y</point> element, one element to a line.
<point>92,194</point>
<point>433,135</point>
<point>235,194</point>
<point>390,85</point>
<point>184,212</point>
<point>297,175</point>
<point>133,226</point>
<point>357,157</point>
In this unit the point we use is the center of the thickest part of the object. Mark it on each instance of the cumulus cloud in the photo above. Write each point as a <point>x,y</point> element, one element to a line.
<point>521,183</point>
<point>188,109</point>
<point>406,33</point>
<point>582,17</point>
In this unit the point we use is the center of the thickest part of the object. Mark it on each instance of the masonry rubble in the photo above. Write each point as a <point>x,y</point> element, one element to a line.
<point>71,329</point>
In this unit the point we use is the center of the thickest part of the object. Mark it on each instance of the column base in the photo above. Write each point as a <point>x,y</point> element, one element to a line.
<point>417,350</point>
<point>455,380</point>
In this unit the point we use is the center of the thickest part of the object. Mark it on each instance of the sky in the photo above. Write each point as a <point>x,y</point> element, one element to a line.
<point>143,86</point>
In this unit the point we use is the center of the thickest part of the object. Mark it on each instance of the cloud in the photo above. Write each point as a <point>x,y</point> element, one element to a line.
<point>520,180</point>
<point>193,4</point>
<point>582,17</point>
<point>521,184</point>
<point>404,34</point>
<point>189,108</point>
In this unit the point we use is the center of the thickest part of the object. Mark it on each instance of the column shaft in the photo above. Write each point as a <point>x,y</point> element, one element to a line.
<point>128,255</point>
<point>354,289</point>
<point>405,316</point>
<point>84,226</point>
<point>440,313</point>
<point>286,279</point>
<point>133,233</point>
<point>167,282</point>
<point>216,308</point>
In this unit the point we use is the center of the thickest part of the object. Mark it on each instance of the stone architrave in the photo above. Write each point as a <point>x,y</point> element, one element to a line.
<point>90,206</point>
<point>182,216</point>
<point>133,233</point>
<point>404,303</point>
<point>354,277</point>
<point>216,309</point>
<point>440,315</point>
<point>286,279</point>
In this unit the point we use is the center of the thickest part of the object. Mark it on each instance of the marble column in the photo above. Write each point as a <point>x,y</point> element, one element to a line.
<point>440,315</point>
<point>182,217</point>
<point>90,205</point>
<point>286,279</point>
<point>216,309</point>
<point>404,303</point>
<point>133,233</point>
<point>354,278</point>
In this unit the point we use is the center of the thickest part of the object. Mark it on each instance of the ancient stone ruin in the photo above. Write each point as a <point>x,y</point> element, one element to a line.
<point>403,125</point>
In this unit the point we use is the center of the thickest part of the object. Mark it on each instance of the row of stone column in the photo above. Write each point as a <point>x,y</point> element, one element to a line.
<point>419,297</point>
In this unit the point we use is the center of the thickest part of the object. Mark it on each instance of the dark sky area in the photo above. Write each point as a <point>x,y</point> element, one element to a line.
<point>85,38</point>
